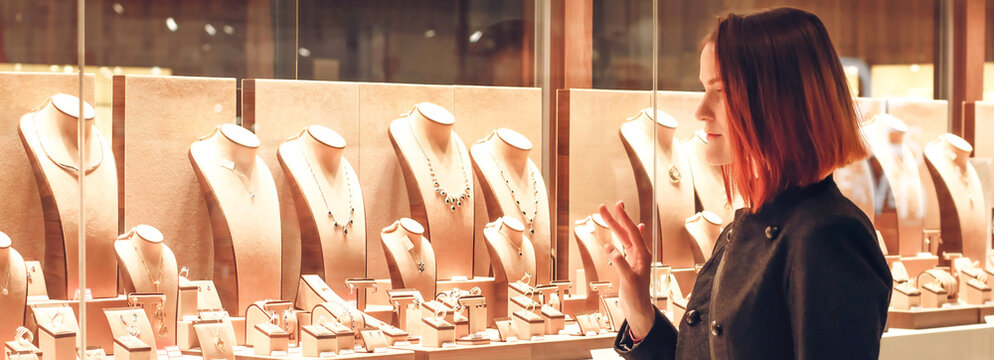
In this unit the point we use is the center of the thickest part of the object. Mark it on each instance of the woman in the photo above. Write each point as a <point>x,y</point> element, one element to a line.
<point>798,273</point>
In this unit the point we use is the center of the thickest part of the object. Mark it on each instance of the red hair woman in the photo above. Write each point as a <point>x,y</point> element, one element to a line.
<point>798,273</point>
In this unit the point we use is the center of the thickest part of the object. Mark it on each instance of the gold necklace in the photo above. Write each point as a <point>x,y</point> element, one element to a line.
<point>155,282</point>
<point>348,186</point>
<point>452,200</point>
<point>64,166</point>
<point>218,341</point>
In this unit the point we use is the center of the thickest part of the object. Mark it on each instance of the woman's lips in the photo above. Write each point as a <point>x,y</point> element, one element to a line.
<point>713,136</point>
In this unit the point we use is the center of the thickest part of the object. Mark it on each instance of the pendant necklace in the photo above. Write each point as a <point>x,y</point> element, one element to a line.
<point>245,179</point>
<point>514,194</point>
<point>417,258</point>
<point>450,199</point>
<point>6,282</point>
<point>155,282</point>
<point>348,186</point>
<point>218,341</point>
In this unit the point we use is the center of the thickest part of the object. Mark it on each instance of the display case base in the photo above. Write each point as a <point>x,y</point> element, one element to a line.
<point>933,318</point>
<point>918,264</point>
<point>550,347</point>
<point>247,354</point>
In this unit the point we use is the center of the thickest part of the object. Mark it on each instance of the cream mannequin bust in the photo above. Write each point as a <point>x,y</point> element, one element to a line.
<point>704,227</point>
<point>410,256</point>
<point>960,196</point>
<point>149,266</point>
<point>592,233</point>
<point>50,138</point>
<point>439,178</point>
<point>674,191</point>
<point>886,135</point>
<point>329,205</point>
<point>245,216</point>
<point>708,183</point>
<point>513,187</point>
<point>511,252</point>
<point>512,256</point>
<point>14,289</point>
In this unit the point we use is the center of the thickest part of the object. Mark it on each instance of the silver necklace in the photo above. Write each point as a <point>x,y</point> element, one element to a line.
<point>417,258</point>
<point>7,282</point>
<point>245,179</point>
<point>452,200</point>
<point>514,194</point>
<point>348,186</point>
<point>521,253</point>
<point>64,166</point>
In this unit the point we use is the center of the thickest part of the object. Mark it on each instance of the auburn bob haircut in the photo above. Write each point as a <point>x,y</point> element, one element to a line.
<point>792,118</point>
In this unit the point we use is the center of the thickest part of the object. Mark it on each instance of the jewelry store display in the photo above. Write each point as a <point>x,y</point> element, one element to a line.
<point>158,278</point>
<point>348,186</point>
<point>530,219</point>
<point>452,200</point>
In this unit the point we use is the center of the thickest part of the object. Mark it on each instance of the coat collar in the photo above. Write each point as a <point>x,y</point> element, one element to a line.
<point>786,200</point>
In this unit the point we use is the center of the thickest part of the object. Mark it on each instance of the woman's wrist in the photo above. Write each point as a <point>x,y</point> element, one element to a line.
<point>641,321</point>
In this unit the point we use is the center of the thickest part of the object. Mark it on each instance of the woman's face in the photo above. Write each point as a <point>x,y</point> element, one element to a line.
<point>713,111</point>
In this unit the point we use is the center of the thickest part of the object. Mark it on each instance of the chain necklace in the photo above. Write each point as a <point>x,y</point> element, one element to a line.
<point>348,186</point>
<point>155,282</point>
<point>511,243</point>
<point>245,179</point>
<point>70,168</point>
<point>514,194</point>
<point>218,341</point>
<point>452,200</point>
<point>7,282</point>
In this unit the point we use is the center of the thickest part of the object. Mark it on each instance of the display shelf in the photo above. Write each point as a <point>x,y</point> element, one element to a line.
<point>245,353</point>
<point>959,314</point>
<point>955,342</point>
<point>550,347</point>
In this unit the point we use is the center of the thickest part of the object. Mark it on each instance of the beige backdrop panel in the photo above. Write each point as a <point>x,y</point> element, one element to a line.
<point>870,107</point>
<point>20,213</point>
<point>379,170</point>
<point>926,120</point>
<point>983,146</point>
<point>159,117</point>
<point>599,170</point>
<point>478,111</point>
<point>277,110</point>
<point>682,105</point>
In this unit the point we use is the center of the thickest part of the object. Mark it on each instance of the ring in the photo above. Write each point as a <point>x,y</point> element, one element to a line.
<point>24,336</point>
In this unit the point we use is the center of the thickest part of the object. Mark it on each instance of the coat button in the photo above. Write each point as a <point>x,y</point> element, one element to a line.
<point>772,231</point>
<point>693,317</point>
<point>715,328</point>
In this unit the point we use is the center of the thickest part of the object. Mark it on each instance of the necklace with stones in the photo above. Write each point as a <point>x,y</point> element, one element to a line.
<point>452,200</point>
<point>348,186</point>
<point>521,252</point>
<point>70,168</point>
<point>155,282</point>
<point>245,179</point>
<point>417,258</point>
<point>514,194</point>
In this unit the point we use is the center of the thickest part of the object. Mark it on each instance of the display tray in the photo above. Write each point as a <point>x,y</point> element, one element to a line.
<point>245,353</point>
<point>550,347</point>
<point>959,314</point>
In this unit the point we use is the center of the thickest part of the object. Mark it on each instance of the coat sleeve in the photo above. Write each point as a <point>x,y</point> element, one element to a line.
<point>838,288</point>
<point>659,343</point>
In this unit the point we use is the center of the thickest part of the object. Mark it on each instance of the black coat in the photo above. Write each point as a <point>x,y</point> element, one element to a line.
<point>803,278</point>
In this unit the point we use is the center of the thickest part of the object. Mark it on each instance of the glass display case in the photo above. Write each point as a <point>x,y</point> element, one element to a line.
<point>418,179</point>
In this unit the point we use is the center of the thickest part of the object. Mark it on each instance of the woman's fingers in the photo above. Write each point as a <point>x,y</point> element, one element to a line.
<point>615,226</point>
<point>634,235</point>
<point>624,268</point>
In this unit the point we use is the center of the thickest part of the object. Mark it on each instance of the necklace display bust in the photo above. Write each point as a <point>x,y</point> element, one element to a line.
<point>14,287</point>
<point>330,208</point>
<point>149,266</point>
<point>50,136</point>
<point>661,169</point>
<point>410,256</point>
<point>898,185</point>
<point>960,194</point>
<point>245,215</point>
<point>513,187</point>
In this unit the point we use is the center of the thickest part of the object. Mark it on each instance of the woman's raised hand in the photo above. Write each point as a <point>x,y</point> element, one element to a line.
<point>632,265</point>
